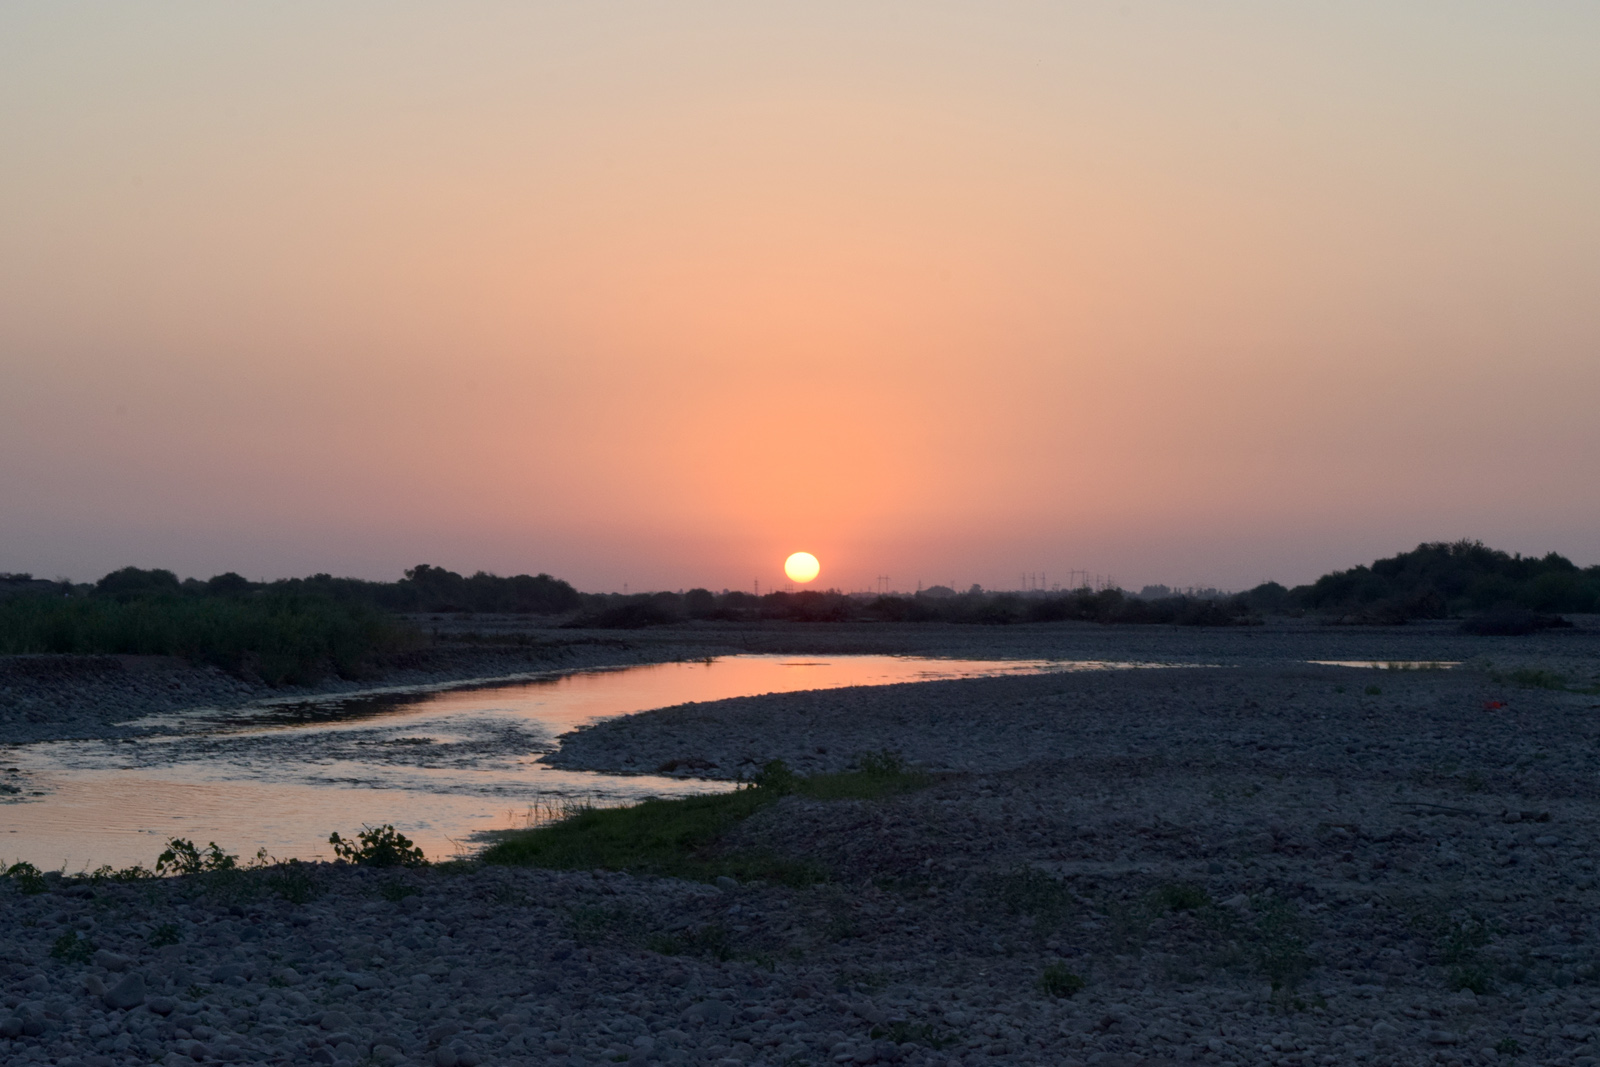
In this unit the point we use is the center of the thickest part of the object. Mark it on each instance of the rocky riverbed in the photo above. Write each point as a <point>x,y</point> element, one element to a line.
<point>1263,861</point>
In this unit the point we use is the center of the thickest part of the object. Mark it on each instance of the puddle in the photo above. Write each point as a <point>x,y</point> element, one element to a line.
<point>442,765</point>
<point>1389,664</point>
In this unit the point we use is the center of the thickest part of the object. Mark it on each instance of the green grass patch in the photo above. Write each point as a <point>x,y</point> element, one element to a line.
<point>1533,678</point>
<point>679,838</point>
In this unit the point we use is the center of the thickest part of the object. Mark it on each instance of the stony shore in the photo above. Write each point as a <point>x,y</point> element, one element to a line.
<point>1261,861</point>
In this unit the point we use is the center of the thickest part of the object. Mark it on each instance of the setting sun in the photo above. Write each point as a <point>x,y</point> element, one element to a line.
<point>802,567</point>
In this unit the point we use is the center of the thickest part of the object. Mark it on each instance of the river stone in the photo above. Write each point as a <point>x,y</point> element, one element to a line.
<point>111,961</point>
<point>711,1012</point>
<point>128,993</point>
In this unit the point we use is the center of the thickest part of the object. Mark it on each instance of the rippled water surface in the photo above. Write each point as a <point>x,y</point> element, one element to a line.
<point>442,765</point>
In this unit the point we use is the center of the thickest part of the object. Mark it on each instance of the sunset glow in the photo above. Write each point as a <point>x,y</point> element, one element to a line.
<point>1197,294</point>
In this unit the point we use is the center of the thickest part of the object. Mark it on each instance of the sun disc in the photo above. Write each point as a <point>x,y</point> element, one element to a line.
<point>802,567</point>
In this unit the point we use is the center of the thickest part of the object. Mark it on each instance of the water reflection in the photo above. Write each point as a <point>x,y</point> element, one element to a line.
<point>1389,664</point>
<point>442,765</point>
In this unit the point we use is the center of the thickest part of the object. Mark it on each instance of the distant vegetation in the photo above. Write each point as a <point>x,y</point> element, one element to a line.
<point>1439,580</point>
<point>277,637</point>
<point>300,629</point>
<point>1505,594</point>
<point>611,611</point>
<point>292,631</point>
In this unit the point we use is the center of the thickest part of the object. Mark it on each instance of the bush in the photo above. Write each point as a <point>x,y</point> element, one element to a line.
<point>183,857</point>
<point>29,879</point>
<point>378,846</point>
<point>1442,578</point>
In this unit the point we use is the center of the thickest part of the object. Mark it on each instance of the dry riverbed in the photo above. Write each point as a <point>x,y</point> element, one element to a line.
<point>1258,862</point>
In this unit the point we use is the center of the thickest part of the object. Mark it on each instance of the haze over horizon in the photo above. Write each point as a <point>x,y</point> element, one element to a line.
<point>657,296</point>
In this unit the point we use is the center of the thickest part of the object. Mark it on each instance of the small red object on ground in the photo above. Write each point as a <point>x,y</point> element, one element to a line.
<point>1491,705</point>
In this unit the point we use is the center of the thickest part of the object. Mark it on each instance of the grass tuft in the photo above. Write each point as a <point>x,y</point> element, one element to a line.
<point>71,948</point>
<point>1057,981</point>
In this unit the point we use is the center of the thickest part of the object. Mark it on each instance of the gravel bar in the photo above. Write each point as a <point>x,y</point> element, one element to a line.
<point>1260,862</point>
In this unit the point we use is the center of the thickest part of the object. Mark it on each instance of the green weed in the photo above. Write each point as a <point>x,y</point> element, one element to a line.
<point>1180,896</point>
<point>107,873</point>
<point>165,934</point>
<point>291,880</point>
<point>1535,678</point>
<point>593,922</point>
<point>395,892</point>
<point>70,948</point>
<point>1057,981</point>
<point>710,940</point>
<point>902,1032</point>
<point>1374,690</point>
<point>1280,950</point>
<point>1475,977</point>
<point>1032,892</point>
<point>28,878</point>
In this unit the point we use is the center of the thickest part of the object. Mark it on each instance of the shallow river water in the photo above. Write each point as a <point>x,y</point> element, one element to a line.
<point>443,764</point>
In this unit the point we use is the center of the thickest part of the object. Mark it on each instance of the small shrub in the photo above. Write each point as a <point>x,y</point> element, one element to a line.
<point>1374,691</point>
<point>1470,976</point>
<point>378,846</point>
<point>1530,678</point>
<point>1057,981</point>
<point>107,873</point>
<point>28,878</point>
<point>592,923</point>
<point>1280,952</point>
<point>70,948</point>
<point>885,763</point>
<point>395,892</point>
<point>183,857</point>
<point>1030,891</point>
<point>903,1032</point>
<point>163,935</point>
<point>1508,1046</point>
<point>710,940</point>
<point>1181,896</point>
<point>291,880</point>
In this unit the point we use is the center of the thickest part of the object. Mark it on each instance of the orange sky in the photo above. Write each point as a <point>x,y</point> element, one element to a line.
<point>943,292</point>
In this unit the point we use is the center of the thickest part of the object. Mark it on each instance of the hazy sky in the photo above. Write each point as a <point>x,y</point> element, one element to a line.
<point>659,293</point>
